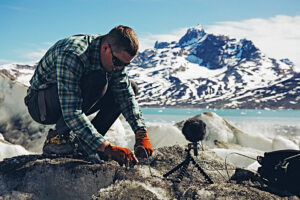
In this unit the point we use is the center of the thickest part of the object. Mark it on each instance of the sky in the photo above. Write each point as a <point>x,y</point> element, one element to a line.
<point>29,27</point>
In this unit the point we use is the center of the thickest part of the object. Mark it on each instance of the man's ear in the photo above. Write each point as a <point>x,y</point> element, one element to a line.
<point>105,46</point>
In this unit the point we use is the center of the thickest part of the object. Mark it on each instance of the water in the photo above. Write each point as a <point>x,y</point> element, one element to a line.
<point>266,122</point>
<point>170,115</point>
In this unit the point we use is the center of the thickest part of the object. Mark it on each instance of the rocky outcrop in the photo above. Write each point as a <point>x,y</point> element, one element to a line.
<point>39,177</point>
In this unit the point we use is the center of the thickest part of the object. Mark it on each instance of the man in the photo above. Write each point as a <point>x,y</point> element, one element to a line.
<point>82,75</point>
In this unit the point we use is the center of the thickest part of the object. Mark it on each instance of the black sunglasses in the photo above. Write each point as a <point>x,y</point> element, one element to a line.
<point>116,61</point>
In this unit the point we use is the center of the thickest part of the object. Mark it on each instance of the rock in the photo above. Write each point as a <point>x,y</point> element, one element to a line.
<point>39,177</point>
<point>16,195</point>
<point>54,178</point>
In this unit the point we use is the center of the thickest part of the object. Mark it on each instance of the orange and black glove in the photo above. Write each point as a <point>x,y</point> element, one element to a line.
<point>122,155</point>
<point>142,144</point>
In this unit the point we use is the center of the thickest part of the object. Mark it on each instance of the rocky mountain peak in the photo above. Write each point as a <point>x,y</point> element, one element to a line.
<point>248,49</point>
<point>287,61</point>
<point>192,35</point>
<point>208,70</point>
<point>216,52</point>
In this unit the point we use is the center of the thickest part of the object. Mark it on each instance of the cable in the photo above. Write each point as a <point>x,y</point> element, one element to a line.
<point>147,157</point>
<point>239,155</point>
<point>214,169</point>
<point>291,157</point>
<point>148,162</point>
<point>217,170</point>
<point>202,147</point>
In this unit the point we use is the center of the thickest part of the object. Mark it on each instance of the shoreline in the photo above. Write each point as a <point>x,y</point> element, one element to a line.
<point>202,108</point>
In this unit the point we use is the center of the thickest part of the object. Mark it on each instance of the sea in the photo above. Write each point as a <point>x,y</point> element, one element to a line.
<point>266,121</point>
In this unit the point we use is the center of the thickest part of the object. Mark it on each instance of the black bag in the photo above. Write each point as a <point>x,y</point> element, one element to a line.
<point>281,169</point>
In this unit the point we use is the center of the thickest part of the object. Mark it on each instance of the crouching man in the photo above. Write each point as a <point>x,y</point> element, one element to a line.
<point>82,75</point>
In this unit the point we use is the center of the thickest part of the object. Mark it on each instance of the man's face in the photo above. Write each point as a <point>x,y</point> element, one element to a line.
<point>112,60</point>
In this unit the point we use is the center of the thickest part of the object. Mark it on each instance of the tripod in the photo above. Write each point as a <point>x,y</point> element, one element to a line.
<point>184,165</point>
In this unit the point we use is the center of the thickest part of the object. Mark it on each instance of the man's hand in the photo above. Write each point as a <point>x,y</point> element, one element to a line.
<point>122,155</point>
<point>142,144</point>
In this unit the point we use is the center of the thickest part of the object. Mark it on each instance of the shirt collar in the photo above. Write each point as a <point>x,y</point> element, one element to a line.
<point>94,55</point>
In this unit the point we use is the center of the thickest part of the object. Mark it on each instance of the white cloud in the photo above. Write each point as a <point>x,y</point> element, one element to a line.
<point>27,56</point>
<point>148,39</point>
<point>278,37</point>
<point>6,61</point>
<point>35,55</point>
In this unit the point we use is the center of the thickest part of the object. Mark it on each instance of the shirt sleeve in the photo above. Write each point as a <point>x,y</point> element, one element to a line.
<point>125,98</point>
<point>69,70</point>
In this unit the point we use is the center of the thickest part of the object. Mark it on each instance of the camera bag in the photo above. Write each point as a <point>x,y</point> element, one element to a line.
<point>281,169</point>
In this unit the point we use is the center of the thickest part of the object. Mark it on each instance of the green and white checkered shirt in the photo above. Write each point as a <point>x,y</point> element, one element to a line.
<point>65,63</point>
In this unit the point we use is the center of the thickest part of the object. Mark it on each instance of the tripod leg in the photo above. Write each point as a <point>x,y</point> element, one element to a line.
<point>202,171</point>
<point>175,168</point>
<point>182,172</point>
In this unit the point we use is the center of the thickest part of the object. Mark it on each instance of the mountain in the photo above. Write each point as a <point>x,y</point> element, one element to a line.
<point>214,71</point>
<point>18,72</point>
<point>206,71</point>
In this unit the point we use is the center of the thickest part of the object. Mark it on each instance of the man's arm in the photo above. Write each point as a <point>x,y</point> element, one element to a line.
<point>69,70</point>
<point>125,98</point>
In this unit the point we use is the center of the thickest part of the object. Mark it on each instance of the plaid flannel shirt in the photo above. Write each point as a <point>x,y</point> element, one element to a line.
<point>64,64</point>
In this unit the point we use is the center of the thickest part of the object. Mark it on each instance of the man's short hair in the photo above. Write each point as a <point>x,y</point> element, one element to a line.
<point>123,38</point>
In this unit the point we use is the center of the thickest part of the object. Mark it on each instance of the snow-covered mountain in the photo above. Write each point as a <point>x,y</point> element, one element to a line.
<point>205,70</point>
<point>18,72</point>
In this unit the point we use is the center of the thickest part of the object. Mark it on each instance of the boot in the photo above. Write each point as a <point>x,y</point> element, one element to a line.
<point>56,144</point>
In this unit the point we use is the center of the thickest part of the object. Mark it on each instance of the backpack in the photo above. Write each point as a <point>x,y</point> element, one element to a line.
<point>281,169</point>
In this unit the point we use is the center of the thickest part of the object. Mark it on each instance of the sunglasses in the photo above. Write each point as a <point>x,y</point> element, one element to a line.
<point>116,61</point>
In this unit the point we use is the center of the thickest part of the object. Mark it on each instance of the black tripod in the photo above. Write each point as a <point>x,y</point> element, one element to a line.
<point>184,165</point>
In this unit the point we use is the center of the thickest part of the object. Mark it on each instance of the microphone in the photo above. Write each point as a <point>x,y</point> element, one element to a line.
<point>194,130</point>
